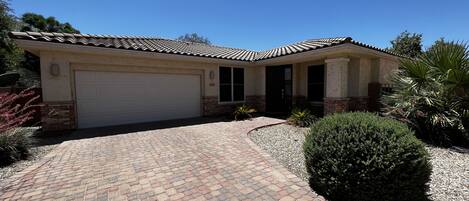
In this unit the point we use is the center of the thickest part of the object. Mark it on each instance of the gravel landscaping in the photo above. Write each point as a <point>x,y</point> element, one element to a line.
<point>449,180</point>
<point>36,154</point>
<point>39,148</point>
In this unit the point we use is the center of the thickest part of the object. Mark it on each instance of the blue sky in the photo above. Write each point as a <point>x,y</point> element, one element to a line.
<point>260,25</point>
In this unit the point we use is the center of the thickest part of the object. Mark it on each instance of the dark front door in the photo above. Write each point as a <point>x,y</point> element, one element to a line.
<point>278,89</point>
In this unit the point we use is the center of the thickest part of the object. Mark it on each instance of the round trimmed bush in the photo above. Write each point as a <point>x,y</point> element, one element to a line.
<point>361,156</point>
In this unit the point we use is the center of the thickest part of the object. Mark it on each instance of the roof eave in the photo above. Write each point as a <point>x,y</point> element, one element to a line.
<point>37,46</point>
<point>346,48</point>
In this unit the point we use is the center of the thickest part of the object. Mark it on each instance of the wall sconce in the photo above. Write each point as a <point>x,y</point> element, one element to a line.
<point>54,70</point>
<point>212,75</point>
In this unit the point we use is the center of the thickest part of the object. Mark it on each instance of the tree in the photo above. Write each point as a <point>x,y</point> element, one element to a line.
<point>194,38</point>
<point>431,94</point>
<point>440,43</point>
<point>9,56</point>
<point>407,44</point>
<point>36,22</point>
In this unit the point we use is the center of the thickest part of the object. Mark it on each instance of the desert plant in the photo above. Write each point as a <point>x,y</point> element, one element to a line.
<point>361,156</point>
<point>14,141</point>
<point>243,112</point>
<point>14,145</point>
<point>301,117</point>
<point>12,114</point>
<point>431,93</point>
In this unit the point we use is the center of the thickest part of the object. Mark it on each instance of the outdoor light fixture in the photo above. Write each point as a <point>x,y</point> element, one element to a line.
<point>212,75</point>
<point>54,70</point>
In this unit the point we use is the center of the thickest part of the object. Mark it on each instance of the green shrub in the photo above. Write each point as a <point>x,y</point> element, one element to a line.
<point>14,145</point>
<point>301,117</point>
<point>243,112</point>
<point>361,156</point>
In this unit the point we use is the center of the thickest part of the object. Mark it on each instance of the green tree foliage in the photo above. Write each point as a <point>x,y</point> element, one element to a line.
<point>431,94</point>
<point>194,38</point>
<point>407,44</point>
<point>36,22</point>
<point>442,42</point>
<point>9,56</point>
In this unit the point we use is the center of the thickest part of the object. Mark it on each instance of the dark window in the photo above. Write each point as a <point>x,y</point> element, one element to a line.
<point>316,83</point>
<point>231,84</point>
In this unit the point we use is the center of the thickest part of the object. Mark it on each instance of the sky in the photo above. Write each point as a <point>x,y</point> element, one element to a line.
<point>261,25</point>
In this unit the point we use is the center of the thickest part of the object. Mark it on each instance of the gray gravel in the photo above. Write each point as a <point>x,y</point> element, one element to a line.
<point>449,180</point>
<point>450,177</point>
<point>38,150</point>
<point>284,143</point>
<point>36,154</point>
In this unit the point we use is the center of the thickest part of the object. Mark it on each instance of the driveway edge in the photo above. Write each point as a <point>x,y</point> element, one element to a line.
<point>16,178</point>
<point>277,166</point>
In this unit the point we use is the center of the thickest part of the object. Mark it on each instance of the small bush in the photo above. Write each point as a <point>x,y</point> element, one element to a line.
<point>243,112</point>
<point>14,145</point>
<point>301,118</point>
<point>360,156</point>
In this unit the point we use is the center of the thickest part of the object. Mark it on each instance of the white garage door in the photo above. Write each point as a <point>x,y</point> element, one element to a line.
<point>112,98</point>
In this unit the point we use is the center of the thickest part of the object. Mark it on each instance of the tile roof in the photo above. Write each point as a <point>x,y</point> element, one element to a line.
<point>184,48</point>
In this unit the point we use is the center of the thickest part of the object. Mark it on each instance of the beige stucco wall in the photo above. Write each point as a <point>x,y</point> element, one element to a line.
<point>61,88</point>
<point>359,75</point>
<point>353,77</point>
<point>382,69</point>
<point>352,81</point>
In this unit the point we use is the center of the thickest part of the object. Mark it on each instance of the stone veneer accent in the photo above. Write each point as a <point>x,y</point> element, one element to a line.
<point>211,107</point>
<point>358,104</point>
<point>333,105</point>
<point>299,101</point>
<point>258,102</point>
<point>58,116</point>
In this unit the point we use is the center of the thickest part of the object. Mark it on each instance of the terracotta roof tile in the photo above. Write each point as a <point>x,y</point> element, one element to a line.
<point>161,45</point>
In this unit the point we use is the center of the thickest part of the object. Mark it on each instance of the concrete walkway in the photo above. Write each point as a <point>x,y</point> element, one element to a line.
<point>198,161</point>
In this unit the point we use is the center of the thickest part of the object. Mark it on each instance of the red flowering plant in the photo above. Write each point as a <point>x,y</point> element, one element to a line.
<point>14,141</point>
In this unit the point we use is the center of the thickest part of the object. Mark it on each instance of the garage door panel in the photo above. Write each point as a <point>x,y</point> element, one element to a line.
<point>111,98</point>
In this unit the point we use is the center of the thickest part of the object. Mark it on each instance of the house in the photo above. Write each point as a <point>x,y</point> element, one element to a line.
<point>102,80</point>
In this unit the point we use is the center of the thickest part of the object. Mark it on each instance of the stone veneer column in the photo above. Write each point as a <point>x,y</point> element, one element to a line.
<point>336,99</point>
<point>211,107</point>
<point>57,116</point>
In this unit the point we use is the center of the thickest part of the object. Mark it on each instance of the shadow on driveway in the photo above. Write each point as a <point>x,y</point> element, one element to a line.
<point>51,138</point>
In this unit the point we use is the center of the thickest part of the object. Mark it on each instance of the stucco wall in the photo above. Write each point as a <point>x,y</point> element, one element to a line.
<point>60,88</point>
<point>382,69</point>
<point>353,77</point>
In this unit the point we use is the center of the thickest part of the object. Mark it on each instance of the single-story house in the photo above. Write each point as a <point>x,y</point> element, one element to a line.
<point>102,80</point>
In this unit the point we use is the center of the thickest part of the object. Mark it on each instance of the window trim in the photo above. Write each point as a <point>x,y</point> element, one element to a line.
<point>232,86</point>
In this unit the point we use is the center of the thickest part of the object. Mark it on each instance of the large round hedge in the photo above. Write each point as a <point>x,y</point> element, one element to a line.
<point>361,156</point>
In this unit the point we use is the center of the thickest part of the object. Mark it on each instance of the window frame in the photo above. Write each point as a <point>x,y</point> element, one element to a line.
<point>308,83</point>
<point>232,84</point>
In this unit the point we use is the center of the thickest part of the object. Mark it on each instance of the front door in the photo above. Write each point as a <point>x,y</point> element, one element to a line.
<point>278,89</point>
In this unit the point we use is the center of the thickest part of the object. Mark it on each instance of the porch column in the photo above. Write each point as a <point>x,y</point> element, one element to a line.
<point>336,99</point>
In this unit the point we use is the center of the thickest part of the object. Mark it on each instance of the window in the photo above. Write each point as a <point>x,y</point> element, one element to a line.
<point>316,83</point>
<point>231,84</point>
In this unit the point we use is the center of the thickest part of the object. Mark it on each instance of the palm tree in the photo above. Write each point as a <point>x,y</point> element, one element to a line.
<point>431,94</point>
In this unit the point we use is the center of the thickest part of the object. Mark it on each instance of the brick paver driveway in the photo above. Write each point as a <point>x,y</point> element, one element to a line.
<point>205,161</point>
